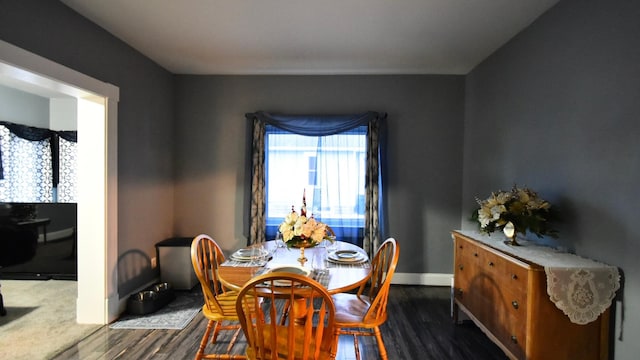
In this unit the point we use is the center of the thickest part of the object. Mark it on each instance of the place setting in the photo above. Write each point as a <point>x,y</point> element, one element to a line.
<point>343,257</point>
<point>250,256</point>
<point>318,270</point>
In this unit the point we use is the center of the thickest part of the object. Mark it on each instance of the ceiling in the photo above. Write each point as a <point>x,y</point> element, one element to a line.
<point>314,36</point>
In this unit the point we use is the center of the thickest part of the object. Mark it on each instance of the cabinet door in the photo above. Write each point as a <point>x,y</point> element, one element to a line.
<point>471,280</point>
<point>465,269</point>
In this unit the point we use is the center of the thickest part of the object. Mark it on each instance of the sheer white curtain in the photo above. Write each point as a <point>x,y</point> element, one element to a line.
<point>329,169</point>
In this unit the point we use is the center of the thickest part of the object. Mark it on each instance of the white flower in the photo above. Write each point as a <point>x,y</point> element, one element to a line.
<point>496,211</point>
<point>521,206</point>
<point>299,226</point>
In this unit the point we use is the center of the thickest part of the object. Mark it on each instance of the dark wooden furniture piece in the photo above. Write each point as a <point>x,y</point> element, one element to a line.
<point>36,223</point>
<point>17,245</point>
<point>507,298</point>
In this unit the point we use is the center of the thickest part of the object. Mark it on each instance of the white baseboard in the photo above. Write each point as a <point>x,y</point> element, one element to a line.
<point>429,279</point>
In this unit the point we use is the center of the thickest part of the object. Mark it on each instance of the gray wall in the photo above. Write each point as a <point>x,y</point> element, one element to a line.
<point>20,107</point>
<point>557,109</point>
<point>145,117</point>
<point>425,116</point>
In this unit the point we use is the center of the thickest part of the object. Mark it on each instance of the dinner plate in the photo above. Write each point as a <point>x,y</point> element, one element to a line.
<point>346,256</point>
<point>247,254</point>
<point>291,269</point>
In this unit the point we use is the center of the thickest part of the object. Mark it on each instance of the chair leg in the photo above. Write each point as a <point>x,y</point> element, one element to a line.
<point>285,312</point>
<point>234,338</point>
<point>205,339</point>
<point>216,327</point>
<point>216,332</point>
<point>334,350</point>
<point>356,346</point>
<point>381,348</point>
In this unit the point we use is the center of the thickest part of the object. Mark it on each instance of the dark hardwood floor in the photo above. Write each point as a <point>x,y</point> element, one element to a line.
<point>419,327</point>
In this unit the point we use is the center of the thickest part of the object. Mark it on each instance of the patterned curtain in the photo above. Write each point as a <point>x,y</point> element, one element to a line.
<point>27,168</point>
<point>258,219</point>
<point>374,214</point>
<point>67,181</point>
<point>372,240</point>
<point>34,161</point>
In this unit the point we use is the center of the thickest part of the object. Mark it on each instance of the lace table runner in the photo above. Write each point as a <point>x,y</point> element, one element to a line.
<point>582,288</point>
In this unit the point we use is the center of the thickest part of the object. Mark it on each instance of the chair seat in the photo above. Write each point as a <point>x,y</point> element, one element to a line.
<point>227,302</point>
<point>350,309</point>
<point>282,346</point>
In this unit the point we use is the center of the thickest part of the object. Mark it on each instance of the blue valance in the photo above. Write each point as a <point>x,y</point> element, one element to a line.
<point>316,125</point>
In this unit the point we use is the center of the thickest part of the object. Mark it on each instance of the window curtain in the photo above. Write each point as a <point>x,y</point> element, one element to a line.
<point>29,162</point>
<point>67,166</point>
<point>321,125</point>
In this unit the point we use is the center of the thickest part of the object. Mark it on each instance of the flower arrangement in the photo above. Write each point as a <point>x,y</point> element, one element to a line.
<point>298,229</point>
<point>520,206</point>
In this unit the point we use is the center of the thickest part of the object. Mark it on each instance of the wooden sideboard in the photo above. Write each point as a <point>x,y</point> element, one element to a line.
<point>507,298</point>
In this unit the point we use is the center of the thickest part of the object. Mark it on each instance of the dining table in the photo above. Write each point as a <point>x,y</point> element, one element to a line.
<point>339,275</point>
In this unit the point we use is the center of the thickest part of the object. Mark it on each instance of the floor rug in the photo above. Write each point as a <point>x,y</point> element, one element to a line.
<point>176,315</point>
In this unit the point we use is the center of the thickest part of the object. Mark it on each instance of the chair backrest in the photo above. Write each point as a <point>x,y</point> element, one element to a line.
<point>308,331</point>
<point>383,267</point>
<point>206,256</point>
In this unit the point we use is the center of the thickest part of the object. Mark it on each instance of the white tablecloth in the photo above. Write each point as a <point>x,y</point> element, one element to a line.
<point>582,288</point>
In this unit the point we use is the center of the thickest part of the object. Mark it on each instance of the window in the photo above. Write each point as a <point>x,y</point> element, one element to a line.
<point>37,165</point>
<point>26,168</point>
<point>337,159</point>
<point>330,169</point>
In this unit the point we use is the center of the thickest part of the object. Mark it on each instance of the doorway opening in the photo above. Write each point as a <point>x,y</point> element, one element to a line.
<point>98,299</point>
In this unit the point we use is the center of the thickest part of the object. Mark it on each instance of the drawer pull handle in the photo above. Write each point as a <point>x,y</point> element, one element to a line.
<point>490,263</point>
<point>514,277</point>
<point>461,267</point>
<point>460,291</point>
<point>475,254</point>
<point>514,339</point>
<point>515,304</point>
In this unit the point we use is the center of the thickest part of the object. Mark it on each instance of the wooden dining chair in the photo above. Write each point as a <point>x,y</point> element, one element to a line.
<point>362,313</point>
<point>308,333</point>
<point>219,303</point>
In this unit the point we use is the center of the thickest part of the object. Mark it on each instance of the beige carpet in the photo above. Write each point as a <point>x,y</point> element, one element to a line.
<point>40,320</point>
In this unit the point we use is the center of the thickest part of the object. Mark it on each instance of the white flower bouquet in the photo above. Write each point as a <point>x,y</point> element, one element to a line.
<point>520,206</point>
<point>299,230</point>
